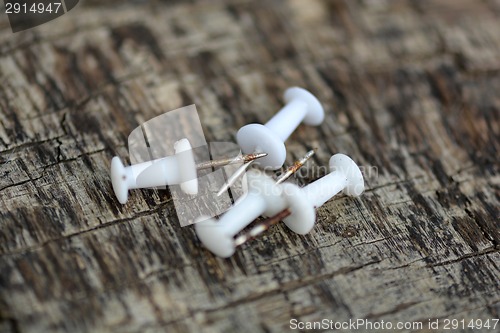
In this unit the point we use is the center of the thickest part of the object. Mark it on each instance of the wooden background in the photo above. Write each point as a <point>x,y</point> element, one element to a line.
<point>410,88</point>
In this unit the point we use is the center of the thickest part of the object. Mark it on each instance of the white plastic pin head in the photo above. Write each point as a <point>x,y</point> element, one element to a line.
<point>121,179</point>
<point>187,167</point>
<point>343,164</point>
<point>301,106</point>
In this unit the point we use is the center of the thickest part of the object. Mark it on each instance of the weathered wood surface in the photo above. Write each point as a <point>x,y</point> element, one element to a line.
<point>411,88</point>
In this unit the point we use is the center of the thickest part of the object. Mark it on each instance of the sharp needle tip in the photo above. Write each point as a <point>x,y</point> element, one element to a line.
<point>234,177</point>
<point>222,190</point>
<point>254,156</point>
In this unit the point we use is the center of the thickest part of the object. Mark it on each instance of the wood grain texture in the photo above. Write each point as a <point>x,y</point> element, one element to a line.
<point>410,89</point>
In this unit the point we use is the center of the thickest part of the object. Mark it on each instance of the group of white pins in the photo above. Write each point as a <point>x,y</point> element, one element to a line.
<point>274,199</point>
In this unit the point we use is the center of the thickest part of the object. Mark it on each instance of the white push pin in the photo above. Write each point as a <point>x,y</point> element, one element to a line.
<point>296,207</point>
<point>301,106</point>
<point>177,169</point>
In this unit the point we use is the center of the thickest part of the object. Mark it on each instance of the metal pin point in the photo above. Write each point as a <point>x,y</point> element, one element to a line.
<point>296,166</point>
<point>261,227</point>
<point>241,159</point>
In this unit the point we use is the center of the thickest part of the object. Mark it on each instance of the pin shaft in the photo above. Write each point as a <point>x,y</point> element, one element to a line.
<point>231,180</point>
<point>261,227</point>
<point>296,166</point>
<point>242,159</point>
